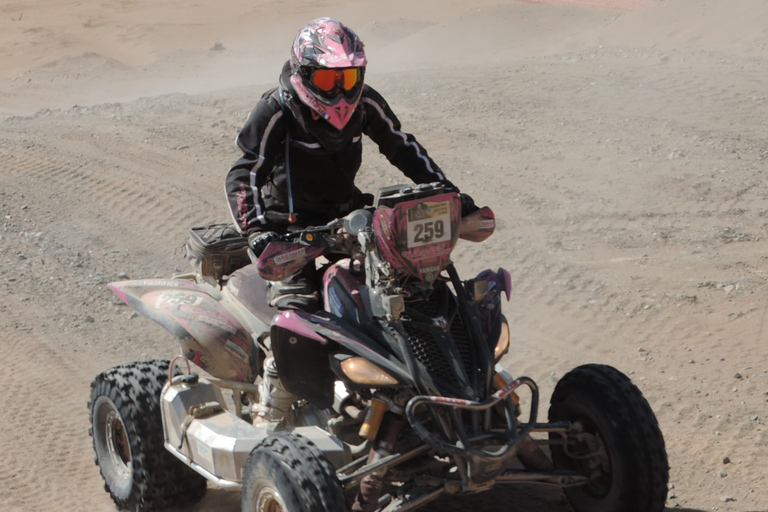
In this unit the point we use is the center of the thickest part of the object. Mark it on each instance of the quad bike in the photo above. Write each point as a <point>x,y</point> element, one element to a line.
<point>402,398</point>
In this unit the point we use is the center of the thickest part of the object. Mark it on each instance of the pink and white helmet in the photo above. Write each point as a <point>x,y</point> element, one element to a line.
<point>327,69</point>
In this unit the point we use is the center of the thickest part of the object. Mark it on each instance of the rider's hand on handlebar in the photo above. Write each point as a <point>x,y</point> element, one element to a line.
<point>467,205</point>
<point>259,240</point>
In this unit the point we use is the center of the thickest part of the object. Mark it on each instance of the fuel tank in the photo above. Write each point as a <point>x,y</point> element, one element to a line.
<point>216,443</point>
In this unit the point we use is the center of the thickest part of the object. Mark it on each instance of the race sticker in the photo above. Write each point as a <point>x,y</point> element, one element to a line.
<point>180,297</point>
<point>429,223</point>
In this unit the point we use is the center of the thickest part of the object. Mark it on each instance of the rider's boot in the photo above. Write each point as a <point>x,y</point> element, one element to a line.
<point>274,400</point>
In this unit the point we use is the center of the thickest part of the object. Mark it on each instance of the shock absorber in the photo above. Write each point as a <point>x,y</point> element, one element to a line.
<point>372,485</point>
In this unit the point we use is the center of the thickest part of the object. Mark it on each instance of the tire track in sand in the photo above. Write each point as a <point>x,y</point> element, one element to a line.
<point>47,455</point>
<point>108,197</point>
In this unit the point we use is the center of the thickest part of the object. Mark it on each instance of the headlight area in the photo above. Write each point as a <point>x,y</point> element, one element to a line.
<point>361,371</point>
<point>502,344</point>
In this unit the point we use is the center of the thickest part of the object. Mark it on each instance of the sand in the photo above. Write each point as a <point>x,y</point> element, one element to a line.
<point>622,145</point>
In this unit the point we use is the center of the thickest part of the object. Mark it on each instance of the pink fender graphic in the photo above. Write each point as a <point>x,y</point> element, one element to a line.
<point>209,335</point>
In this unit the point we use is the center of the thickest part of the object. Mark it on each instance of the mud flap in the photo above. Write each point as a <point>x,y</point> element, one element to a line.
<point>303,365</point>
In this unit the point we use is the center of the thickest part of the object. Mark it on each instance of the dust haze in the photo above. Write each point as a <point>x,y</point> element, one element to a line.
<point>622,145</point>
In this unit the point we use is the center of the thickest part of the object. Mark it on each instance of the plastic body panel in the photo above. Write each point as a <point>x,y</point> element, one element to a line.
<point>417,236</point>
<point>478,226</point>
<point>209,335</point>
<point>341,289</point>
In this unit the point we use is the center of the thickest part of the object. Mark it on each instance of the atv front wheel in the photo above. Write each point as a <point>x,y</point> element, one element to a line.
<point>287,473</point>
<point>127,431</point>
<point>620,447</point>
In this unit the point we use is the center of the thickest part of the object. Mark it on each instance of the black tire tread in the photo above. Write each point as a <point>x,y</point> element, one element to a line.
<point>306,479</point>
<point>160,480</point>
<point>631,415</point>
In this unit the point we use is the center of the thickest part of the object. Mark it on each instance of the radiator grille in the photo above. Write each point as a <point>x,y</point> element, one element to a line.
<point>425,346</point>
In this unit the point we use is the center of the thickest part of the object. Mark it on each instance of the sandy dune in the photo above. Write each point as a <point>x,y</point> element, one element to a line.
<point>622,144</point>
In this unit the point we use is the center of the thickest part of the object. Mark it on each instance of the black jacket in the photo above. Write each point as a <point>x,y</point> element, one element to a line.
<point>322,178</point>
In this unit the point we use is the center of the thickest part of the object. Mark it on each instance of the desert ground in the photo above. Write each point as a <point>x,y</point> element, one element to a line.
<point>622,145</point>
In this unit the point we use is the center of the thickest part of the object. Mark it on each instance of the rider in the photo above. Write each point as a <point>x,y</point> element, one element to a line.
<point>302,148</point>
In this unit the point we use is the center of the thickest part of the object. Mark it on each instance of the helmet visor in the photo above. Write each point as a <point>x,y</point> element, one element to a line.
<point>329,79</point>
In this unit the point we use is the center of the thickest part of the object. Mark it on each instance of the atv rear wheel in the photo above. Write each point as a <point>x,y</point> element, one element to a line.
<point>287,473</point>
<point>621,447</point>
<point>127,431</point>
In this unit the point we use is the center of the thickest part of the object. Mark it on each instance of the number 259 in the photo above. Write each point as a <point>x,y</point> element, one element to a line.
<point>424,233</point>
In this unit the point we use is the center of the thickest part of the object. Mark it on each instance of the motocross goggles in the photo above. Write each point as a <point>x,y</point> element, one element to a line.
<point>329,79</point>
<point>333,82</point>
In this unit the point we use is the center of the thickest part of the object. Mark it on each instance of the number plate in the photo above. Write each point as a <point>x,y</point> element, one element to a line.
<point>429,223</point>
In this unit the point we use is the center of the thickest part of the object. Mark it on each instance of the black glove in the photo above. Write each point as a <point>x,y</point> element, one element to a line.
<point>467,205</point>
<point>259,240</point>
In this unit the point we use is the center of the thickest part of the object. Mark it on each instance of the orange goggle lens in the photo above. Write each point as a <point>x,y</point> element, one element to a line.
<point>328,79</point>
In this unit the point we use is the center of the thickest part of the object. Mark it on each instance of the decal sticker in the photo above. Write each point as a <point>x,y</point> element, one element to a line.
<point>429,223</point>
<point>218,325</point>
<point>204,452</point>
<point>173,298</point>
<point>384,224</point>
<point>418,254</point>
<point>336,306</point>
<point>289,256</point>
<point>236,351</point>
<point>198,358</point>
